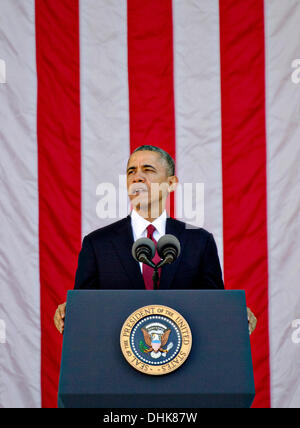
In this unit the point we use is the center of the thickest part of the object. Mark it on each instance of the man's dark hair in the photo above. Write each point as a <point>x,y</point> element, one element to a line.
<point>164,155</point>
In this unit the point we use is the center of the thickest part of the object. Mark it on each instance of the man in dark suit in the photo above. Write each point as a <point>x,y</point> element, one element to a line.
<point>105,260</point>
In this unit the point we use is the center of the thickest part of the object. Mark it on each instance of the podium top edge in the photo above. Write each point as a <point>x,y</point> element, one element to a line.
<point>130,291</point>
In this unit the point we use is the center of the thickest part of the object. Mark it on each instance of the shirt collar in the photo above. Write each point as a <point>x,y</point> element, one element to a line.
<point>139,224</point>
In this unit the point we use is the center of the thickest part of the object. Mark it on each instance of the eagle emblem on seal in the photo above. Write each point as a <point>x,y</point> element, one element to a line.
<point>156,336</point>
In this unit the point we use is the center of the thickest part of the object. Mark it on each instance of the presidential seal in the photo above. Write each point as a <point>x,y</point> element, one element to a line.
<point>156,340</point>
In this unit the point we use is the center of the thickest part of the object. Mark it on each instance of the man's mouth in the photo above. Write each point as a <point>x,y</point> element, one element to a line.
<point>138,190</point>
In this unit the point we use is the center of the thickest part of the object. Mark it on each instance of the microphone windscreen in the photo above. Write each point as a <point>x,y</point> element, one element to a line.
<point>166,242</point>
<point>145,246</point>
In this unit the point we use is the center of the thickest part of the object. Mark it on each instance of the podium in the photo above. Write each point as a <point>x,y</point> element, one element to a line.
<point>217,373</point>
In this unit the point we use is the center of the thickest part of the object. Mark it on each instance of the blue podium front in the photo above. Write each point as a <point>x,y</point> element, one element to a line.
<point>216,373</point>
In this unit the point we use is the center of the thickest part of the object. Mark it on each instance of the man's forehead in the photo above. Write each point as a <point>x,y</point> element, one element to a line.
<point>144,157</point>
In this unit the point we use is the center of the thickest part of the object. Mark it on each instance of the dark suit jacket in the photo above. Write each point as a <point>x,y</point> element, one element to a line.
<point>105,260</point>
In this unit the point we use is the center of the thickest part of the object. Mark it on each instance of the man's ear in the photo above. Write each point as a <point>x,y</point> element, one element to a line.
<point>172,182</point>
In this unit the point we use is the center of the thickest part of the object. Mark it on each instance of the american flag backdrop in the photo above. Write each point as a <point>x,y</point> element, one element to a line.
<point>213,82</point>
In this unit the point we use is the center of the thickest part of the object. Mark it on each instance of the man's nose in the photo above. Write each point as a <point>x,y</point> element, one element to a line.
<point>138,178</point>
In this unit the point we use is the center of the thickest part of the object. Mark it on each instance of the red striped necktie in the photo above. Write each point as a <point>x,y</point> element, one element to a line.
<point>148,270</point>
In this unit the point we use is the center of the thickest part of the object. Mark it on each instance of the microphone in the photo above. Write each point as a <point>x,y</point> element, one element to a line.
<point>168,249</point>
<point>143,250</point>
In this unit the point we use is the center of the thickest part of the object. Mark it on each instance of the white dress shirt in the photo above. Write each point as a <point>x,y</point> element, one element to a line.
<point>139,227</point>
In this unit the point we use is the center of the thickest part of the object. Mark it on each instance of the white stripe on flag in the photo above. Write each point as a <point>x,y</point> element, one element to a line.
<point>198,113</point>
<point>104,107</point>
<point>283,151</point>
<point>19,253</point>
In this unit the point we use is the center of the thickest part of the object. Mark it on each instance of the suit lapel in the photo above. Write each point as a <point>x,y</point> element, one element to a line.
<point>173,227</point>
<point>123,241</point>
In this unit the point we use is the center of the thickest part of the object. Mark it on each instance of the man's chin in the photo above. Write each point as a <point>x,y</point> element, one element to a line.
<point>141,200</point>
<point>147,211</point>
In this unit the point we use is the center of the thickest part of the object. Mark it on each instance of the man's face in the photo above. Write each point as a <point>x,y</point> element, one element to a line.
<point>147,179</point>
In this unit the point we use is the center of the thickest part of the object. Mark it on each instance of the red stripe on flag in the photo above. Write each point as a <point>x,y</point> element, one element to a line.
<point>150,75</point>
<point>244,170</point>
<point>59,163</point>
